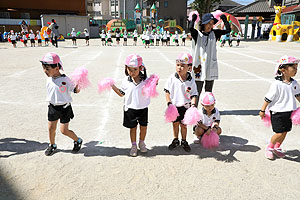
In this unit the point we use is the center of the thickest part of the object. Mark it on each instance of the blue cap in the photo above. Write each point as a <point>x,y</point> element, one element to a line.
<point>207,17</point>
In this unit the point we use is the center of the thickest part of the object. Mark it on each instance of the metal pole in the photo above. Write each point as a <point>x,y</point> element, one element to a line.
<point>115,9</point>
<point>124,10</point>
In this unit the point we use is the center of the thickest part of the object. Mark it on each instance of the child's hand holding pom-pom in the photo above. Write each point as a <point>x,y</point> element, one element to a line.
<point>210,140</point>
<point>149,89</point>
<point>267,118</point>
<point>79,78</point>
<point>191,17</point>
<point>171,113</point>
<point>296,116</point>
<point>105,84</point>
<point>191,116</point>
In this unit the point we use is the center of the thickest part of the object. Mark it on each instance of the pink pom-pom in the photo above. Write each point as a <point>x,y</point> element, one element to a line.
<point>296,116</point>
<point>171,113</point>
<point>211,140</point>
<point>149,89</point>
<point>105,84</point>
<point>217,14</point>
<point>267,118</point>
<point>191,116</point>
<point>79,78</point>
<point>191,16</point>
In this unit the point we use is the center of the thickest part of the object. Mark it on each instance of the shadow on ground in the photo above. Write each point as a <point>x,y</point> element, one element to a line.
<point>240,112</point>
<point>17,146</point>
<point>229,145</point>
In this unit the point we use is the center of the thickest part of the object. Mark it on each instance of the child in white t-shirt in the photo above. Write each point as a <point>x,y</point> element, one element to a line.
<point>147,39</point>
<point>281,101</point>
<point>39,37</point>
<point>59,89</point>
<point>109,40</point>
<point>87,37</point>
<point>210,117</point>
<point>103,36</point>
<point>24,39</point>
<point>176,38</point>
<point>184,36</point>
<point>168,38</point>
<point>13,38</point>
<point>73,34</point>
<point>157,38</point>
<point>32,38</point>
<point>135,104</point>
<point>135,36</point>
<point>46,36</point>
<point>125,38</point>
<point>181,91</point>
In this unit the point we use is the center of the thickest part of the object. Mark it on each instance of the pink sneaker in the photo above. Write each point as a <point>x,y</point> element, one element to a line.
<point>278,152</point>
<point>269,153</point>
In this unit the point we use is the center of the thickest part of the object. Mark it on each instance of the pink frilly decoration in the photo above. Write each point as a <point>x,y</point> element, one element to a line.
<point>191,116</point>
<point>267,118</point>
<point>105,84</point>
<point>210,141</point>
<point>171,113</point>
<point>191,16</point>
<point>79,78</point>
<point>217,14</point>
<point>149,89</point>
<point>296,116</point>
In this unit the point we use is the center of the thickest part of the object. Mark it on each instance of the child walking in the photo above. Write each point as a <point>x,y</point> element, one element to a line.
<point>32,37</point>
<point>181,91</point>
<point>59,88</point>
<point>87,37</point>
<point>281,101</point>
<point>103,36</point>
<point>210,117</point>
<point>135,104</point>
<point>73,34</point>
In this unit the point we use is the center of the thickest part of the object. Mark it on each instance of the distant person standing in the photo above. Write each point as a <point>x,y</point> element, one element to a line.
<point>24,27</point>
<point>55,33</point>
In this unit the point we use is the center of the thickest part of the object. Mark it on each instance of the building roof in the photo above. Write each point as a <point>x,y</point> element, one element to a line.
<point>259,6</point>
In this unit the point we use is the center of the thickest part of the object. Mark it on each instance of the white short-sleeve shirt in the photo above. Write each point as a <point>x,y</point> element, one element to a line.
<point>46,35</point>
<point>59,90</point>
<point>281,95</point>
<point>31,36</point>
<point>181,92</point>
<point>13,37</point>
<point>86,34</point>
<point>134,98</point>
<point>73,33</point>
<point>209,120</point>
<point>39,37</point>
<point>103,35</point>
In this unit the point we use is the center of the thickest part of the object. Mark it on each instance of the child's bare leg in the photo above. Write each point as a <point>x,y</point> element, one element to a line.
<point>143,132</point>
<point>281,139</point>
<point>175,129</point>
<point>133,134</point>
<point>64,128</point>
<point>199,131</point>
<point>183,131</point>
<point>52,131</point>
<point>276,137</point>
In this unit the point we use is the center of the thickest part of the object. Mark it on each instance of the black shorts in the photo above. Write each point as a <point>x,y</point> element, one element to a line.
<point>46,39</point>
<point>181,111</point>
<point>238,40</point>
<point>168,39</point>
<point>103,39</point>
<point>25,41</point>
<point>183,39</point>
<point>176,41</point>
<point>39,40</point>
<point>59,112</point>
<point>109,40</point>
<point>125,39</point>
<point>32,41</point>
<point>135,39</point>
<point>281,121</point>
<point>162,40</point>
<point>118,39</point>
<point>87,37</point>
<point>147,41</point>
<point>73,38</point>
<point>133,117</point>
<point>13,42</point>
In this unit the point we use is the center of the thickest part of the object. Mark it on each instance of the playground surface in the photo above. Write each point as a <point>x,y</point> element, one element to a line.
<point>103,168</point>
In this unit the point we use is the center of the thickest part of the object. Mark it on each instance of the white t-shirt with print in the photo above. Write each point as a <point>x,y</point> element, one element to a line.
<point>117,34</point>
<point>209,120</point>
<point>13,36</point>
<point>281,95</point>
<point>59,90</point>
<point>181,92</point>
<point>31,36</point>
<point>73,33</point>
<point>133,94</point>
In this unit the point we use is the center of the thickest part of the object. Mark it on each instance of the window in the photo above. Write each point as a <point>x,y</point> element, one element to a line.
<point>113,13</point>
<point>112,2</point>
<point>97,4</point>
<point>165,4</point>
<point>25,15</point>
<point>90,4</point>
<point>5,15</point>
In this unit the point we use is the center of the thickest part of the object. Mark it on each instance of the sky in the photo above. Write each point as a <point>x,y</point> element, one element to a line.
<point>243,2</point>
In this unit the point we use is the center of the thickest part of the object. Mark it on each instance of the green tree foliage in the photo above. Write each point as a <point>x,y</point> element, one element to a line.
<point>204,6</point>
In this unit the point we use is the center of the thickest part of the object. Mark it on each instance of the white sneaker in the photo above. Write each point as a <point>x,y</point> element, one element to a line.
<point>133,151</point>
<point>142,147</point>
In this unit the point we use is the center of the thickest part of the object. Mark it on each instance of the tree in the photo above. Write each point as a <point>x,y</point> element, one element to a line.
<point>204,6</point>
